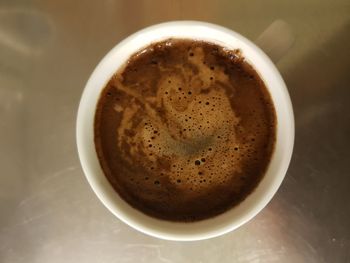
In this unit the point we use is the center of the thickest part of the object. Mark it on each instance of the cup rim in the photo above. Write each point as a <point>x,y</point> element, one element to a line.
<point>87,154</point>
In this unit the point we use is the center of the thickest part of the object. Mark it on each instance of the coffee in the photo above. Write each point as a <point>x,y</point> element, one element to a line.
<point>185,130</point>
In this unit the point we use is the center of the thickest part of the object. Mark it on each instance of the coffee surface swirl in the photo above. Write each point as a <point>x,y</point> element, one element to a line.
<point>185,130</point>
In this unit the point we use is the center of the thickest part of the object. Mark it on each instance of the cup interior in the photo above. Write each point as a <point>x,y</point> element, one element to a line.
<point>277,168</point>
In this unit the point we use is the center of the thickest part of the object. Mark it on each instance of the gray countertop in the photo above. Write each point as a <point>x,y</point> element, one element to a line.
<point>48,49</point>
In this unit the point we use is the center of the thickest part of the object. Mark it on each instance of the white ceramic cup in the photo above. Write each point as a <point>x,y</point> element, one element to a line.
<point>234,217</point>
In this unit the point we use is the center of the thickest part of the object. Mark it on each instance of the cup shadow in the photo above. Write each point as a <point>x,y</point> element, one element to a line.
<point>311,198</point>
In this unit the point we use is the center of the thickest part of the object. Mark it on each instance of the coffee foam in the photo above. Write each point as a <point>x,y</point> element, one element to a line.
<point>185,130</point>
<point>189,122</point>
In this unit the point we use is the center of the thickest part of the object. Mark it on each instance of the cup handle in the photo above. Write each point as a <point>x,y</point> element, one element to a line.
<point>276,40</point>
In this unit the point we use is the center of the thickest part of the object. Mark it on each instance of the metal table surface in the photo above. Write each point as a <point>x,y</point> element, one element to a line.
<point>48,49</point>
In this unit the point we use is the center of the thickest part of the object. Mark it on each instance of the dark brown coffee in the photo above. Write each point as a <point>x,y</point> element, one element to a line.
<point>185,130</point>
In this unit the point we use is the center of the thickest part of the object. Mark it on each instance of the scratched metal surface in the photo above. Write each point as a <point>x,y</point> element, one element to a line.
<point>48,211</point>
